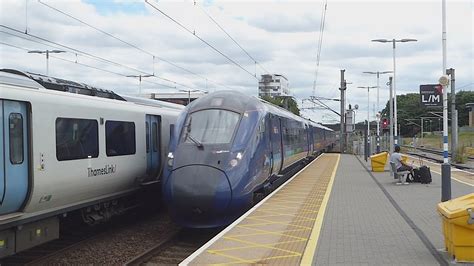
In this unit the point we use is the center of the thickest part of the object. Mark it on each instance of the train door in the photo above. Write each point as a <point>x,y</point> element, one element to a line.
<point>276,140</point>
<point>153,144</point>
<point>308,139</point>
<point>14,166</point>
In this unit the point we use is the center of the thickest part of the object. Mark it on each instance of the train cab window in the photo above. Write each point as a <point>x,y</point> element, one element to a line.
<point>76,139</point>
<point>154,134</point>
<point>120,138</point>
<point>16,138</point>
<point>213,126</point>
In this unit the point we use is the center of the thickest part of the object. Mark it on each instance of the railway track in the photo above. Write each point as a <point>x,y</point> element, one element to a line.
<point>73,235</point>
<point>433,151</point>
<point>175,247</point>
<point>438,160</point>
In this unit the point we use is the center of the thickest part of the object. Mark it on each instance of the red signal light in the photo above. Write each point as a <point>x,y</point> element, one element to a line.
<point>384,123</point>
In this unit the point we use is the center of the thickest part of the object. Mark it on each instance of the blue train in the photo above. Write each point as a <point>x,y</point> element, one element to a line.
<point>228,151</point>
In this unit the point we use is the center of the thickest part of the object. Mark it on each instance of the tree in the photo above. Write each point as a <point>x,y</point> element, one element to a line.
<point>409,108</point>
<point>291,104</point>
<point>463,97</point>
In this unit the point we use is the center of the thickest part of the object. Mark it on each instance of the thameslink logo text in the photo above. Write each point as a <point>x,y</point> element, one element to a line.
<point>107,169</point>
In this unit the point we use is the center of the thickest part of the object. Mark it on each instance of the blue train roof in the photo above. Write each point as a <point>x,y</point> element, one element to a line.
<point>240,102</point>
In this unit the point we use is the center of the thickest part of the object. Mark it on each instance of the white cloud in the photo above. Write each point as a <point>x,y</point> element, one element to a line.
<point>281,35</point>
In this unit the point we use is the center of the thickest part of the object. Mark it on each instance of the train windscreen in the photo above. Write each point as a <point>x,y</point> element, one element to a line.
<point>212,126</point>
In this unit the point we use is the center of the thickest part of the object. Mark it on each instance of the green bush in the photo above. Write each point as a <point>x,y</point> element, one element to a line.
<point>460,156</point>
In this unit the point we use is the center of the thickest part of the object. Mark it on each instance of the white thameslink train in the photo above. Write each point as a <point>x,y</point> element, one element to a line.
<point>68,147</point>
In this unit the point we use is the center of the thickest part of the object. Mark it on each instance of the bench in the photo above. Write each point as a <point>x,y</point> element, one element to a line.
<point>399,175</point>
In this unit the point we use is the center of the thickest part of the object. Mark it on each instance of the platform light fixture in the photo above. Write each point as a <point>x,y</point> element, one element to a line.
<point>189,94</point>
<point>47,52</point>
<point>393,41</point>
<point>368,109</point>
<point>378,73</point>
<point>140,81</point>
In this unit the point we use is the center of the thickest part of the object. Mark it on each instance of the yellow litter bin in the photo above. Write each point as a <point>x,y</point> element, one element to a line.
<point>458,227</point>
<point>405,159</point>
<point>378,161</point>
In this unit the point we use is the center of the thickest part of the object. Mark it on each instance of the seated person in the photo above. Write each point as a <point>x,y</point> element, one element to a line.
<point>396,157</point>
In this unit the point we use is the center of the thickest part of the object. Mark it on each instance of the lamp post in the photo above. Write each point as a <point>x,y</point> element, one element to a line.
<point>444,81</point>
<point>378,104</point>
<point>393,41</point>
<point>368,113</point>
<point>47,52</point>
<point>140,81</point>
<point>189,94</point>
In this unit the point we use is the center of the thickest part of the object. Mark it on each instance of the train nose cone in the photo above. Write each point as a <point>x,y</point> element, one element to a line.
<point>200,195</point>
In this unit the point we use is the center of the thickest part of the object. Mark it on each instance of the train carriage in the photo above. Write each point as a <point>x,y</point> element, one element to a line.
<point>68,146</point>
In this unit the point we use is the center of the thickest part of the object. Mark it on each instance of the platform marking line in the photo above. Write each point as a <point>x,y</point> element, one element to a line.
<point>294,202</point>
<point>436,164</point>
<point>280,208</point>
<point>284,207</point>
<point>244,216</point>
<point>295,196</point>
<point>283,214</point>
<point>256,261</point>
<point>274,233</point>
<point>277,257</point>
<point>240,260</point>
<point>310,249</point>
<point>274,222</point>
<point>270,223</point>
<point>262,233</point>
<point>251,246</point>
<point>302,218</point>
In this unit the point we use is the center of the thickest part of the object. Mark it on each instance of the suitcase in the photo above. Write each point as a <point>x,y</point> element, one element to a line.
<point>416,175</point>
<point>425,174</point>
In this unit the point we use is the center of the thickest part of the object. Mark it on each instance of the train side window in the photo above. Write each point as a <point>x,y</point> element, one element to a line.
<point>154,134</point>
<point>120,138</point>
<point>16,138</point>
<point>147,129</point>
<point>76,139</point>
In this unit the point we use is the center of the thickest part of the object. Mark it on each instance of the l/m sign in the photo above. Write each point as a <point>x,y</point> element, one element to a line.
<point>431,95</point>
<point>431,98</point>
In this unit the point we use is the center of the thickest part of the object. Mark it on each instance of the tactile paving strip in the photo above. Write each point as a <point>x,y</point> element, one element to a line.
<point>277,232</point>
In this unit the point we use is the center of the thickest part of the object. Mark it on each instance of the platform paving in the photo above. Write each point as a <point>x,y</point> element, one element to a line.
<point>278,229</point>
<point>363,226</point>
<point>369,220</point>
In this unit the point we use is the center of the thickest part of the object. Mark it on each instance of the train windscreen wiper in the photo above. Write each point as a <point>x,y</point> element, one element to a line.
<point>198,144</point>
<point>188,135</point>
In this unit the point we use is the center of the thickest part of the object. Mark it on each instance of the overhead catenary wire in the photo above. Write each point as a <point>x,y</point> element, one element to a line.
<point>235,41</point>
<point>22,35</point>
<point>320,44</point>
<point>201,39</point>
<point>86,65</point>
<point>130,44</point>
<point>135,46</point>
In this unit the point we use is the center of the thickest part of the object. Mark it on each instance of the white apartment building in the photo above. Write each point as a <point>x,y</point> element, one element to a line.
<point>273,85</point>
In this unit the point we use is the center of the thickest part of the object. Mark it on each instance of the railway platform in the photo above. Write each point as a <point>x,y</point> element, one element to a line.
<point>335,211</point>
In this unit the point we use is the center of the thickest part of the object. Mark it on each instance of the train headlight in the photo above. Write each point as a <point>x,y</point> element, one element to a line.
<point>235,162</point>
<point>170,159</point>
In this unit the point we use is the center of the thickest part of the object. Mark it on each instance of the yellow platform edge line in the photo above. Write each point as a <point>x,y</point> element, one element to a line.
<point>310,249</point>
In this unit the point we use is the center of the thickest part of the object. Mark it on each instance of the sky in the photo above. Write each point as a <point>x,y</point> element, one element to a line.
<point>131,37</point>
